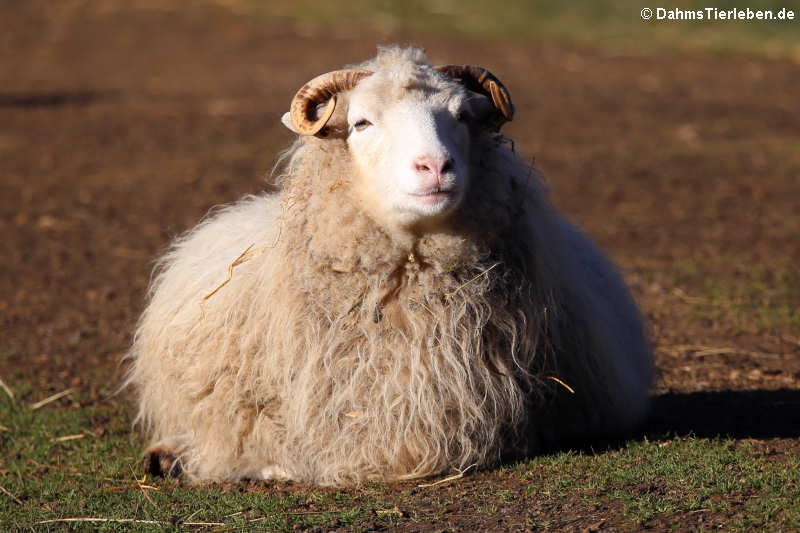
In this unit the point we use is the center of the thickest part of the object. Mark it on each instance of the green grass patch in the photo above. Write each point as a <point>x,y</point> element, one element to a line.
<point>66,460</point>
<point>756,299</point>
<point>48,473</point>
<point>617,25</point>
<point>745,294</point>
<point>677,476</point>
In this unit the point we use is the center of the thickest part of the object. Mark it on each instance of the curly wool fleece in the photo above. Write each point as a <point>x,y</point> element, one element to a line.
<point>342,351</point>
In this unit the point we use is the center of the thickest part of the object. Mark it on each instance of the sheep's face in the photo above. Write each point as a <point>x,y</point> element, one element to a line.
<point>409,141</point>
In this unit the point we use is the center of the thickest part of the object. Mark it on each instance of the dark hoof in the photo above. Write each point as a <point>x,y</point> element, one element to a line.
<point>159,462</point>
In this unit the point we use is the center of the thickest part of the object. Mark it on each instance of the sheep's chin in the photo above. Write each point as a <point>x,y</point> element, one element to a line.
<point>415,209</point>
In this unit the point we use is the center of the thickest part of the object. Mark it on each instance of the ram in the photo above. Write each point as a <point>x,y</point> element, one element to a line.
<point>407,303</point>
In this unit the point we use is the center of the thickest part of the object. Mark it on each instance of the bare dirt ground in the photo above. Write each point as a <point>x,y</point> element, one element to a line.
<point>120,128</point>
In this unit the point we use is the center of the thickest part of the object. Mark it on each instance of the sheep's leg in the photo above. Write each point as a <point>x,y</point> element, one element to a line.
<point>162,460</point>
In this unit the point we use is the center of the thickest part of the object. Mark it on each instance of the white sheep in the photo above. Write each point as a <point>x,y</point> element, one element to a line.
<point>409,302</point>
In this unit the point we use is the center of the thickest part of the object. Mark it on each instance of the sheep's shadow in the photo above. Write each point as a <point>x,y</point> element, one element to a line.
<point>756,414</point>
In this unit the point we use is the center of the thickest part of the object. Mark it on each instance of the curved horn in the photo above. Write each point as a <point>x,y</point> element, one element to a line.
<point>303,108</point>
<point>482,81</point>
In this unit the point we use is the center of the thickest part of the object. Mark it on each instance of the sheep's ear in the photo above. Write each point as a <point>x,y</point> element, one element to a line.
<point>486,113</point>
<point>286,119</point>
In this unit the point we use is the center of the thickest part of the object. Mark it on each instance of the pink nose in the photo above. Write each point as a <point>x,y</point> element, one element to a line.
<point>431,168</point>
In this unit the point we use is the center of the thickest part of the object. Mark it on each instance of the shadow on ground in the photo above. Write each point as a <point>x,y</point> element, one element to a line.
<point>756,414</point>
<point>750,414</point>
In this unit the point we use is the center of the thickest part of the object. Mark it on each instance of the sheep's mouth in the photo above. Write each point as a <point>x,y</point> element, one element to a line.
<point>436,195</point>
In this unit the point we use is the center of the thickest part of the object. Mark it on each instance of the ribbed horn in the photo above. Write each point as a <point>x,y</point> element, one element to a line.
<point>323,88</point>
<point>482,81</point>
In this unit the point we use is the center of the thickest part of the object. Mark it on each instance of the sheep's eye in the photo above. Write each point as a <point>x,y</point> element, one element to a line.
<point>462,116</point>
<point>362,124</point>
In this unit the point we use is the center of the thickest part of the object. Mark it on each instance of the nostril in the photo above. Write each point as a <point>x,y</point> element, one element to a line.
<point>422,167</point>
<point>433,165</point>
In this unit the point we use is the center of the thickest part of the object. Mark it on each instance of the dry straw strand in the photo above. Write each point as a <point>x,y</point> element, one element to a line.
<point>570,389</point>
<point>17,500</point>
<point>138,484</point>
<point>453,293</point>
<point>7,390</point>
<point>132,486</point>
<point>124,521</point>
<point>66,438</point>
<point>698,350</point>
<point>142,486</point>
<point>459,475</point>
<point>245,256</point>
<point>51,399</point>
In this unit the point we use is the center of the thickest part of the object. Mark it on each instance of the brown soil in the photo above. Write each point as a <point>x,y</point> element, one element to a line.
<point>121,127</point>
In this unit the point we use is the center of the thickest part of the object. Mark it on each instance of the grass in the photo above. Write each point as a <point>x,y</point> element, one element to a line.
<point>613,25</point>
<point>757,302</point>
<point>98,476</point>
<point>753,299</point>
<point>677,476</point>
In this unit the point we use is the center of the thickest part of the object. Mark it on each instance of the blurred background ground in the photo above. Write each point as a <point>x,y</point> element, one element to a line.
<point>675,145</point>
